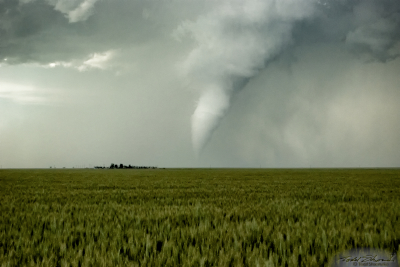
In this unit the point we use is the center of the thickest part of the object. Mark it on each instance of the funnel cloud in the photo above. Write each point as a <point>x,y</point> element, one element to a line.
<point>238,39</point>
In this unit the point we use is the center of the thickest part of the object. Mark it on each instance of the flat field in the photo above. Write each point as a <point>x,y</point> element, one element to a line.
<point>195,217</point>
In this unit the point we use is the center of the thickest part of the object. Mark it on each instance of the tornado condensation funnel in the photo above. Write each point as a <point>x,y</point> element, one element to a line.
<point>211,108</point>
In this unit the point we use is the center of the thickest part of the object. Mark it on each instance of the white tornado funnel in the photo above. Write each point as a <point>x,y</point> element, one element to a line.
<point>211,108</point>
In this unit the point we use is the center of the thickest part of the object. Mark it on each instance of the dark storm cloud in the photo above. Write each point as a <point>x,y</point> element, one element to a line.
<point>369,28</point>
<point>377,29</point>
<point>36,32</point>
<point>31,32</point>
<point>44,30</point>
<point>39,30</point>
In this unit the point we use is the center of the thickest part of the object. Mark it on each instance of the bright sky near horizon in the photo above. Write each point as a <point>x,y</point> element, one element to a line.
<point>199,83</point>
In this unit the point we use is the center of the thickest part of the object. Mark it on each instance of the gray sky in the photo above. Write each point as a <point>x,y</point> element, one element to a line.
<point>199,83</point>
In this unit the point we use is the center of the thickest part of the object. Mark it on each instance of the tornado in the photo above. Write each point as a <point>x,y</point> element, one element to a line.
<point>233,43</point>
<point>237,39</point>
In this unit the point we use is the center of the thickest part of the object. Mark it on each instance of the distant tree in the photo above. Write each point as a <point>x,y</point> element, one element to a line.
<point>112,166</point>
<point>121,166</point>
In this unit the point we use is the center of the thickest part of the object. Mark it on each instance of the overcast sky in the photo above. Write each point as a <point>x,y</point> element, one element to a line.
<point>200,83</point>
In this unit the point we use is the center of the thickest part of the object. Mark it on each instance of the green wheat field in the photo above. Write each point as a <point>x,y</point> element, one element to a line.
<point>195,217</point>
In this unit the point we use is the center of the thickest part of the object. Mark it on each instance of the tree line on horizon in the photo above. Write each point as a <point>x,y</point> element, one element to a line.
<point>122,166</point>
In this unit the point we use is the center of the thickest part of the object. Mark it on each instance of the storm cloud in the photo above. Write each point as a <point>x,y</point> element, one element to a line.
<point>257,83</point>
<point>237,40</point>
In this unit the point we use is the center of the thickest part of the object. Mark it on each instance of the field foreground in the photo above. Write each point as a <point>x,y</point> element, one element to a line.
<point>195,217</point>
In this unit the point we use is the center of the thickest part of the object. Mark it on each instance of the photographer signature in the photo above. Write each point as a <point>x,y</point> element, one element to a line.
<point>367,258</point>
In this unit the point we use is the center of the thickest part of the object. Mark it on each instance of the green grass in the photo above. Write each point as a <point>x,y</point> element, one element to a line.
<point>195,217</point>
